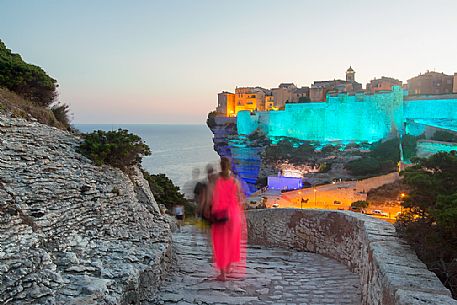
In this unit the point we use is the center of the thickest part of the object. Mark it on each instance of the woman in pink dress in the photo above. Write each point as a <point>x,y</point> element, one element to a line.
<point>228,230</point>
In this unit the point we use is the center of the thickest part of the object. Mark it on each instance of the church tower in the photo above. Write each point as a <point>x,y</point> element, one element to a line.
<point>350,75</point>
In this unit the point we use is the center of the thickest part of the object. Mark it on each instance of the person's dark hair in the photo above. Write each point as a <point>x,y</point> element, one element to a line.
<point>225,167</point>
<point>209,169</point>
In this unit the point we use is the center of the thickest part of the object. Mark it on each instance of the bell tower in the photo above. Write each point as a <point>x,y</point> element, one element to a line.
<point>350,75</point>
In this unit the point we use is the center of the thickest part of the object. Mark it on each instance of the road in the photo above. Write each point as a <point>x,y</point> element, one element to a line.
<point>334,196</point>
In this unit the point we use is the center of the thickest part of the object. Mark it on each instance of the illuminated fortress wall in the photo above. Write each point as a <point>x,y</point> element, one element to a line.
<point>343,117</point>
<point>357,117</point>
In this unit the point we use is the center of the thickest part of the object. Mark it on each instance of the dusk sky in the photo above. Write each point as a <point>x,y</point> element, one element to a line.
<point>165,61</point>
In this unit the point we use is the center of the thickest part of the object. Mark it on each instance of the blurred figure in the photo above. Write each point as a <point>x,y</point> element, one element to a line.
<point>228,230</point>
<point>189,186</point>
<point>179,214</point>
<point>206,195</point>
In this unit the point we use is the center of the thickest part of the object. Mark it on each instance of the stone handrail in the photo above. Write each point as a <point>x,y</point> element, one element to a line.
<point>389,271</point>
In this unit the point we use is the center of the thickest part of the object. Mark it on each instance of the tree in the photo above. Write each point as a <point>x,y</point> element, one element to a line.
<point>359,205</point>
<point>29,81</point>
<point>383,158</point>
<point>429,221</point>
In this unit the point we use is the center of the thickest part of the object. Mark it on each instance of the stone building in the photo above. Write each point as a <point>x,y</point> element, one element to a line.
<point>226,104</point>
<point>289,93</point>
<point>319,89</point>
<point>432,82</point>
<point>251,99</point>
<point>382,84</point>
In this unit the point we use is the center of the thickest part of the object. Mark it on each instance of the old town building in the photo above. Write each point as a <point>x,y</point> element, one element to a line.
<point>431,82</point>
<point>382,84</point>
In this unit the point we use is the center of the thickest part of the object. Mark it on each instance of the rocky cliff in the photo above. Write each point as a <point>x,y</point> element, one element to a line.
<point>72,232</point>
<point>245,154</point>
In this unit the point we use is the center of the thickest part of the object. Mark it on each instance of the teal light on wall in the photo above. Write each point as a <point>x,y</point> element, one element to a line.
<point>358,118</point>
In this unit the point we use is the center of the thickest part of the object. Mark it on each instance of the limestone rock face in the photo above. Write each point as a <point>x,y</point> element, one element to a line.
<point>72,232</point>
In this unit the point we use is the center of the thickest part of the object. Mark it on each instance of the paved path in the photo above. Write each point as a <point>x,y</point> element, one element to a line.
<point>273,276</point>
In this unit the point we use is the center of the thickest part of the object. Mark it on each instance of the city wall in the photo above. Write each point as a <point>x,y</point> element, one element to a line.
<point>368,184</point>
<point>358,117</point>
<point>390,273</point>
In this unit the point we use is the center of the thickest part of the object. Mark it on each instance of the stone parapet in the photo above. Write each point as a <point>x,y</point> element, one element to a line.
<point>390,272</point>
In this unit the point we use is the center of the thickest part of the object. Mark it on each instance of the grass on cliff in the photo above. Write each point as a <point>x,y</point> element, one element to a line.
<point>16,106</point>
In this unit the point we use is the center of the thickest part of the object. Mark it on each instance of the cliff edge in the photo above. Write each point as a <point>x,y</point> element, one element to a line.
<point>72,232</point>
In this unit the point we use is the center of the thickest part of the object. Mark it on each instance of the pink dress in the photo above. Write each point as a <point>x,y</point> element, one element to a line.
<point>229,238</point>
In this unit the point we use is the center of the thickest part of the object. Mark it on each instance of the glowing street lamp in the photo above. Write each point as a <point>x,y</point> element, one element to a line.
<point>315,191</point>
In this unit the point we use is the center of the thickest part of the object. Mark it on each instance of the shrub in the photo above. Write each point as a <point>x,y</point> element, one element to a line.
<point>166,193</point>
<point>62,114</point>
<point>211,120</point>
<point>325,167</point>
<point>285,150</point>
<point>364,166</point>
<point>117,148</point>
<point>382,159</point>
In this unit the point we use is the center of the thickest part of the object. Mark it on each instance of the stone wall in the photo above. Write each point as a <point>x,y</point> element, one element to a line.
<point>368,184</point>
<point>390,273</point>
<point>72,232</point>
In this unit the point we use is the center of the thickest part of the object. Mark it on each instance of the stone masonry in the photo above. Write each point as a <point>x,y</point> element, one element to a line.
<point>72,232</point>
<point>273,276</point>
<point>389,271</point>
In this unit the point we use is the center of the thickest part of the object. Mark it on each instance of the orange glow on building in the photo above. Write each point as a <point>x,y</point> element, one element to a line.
<point>245,99</point>
<point>269,103</point>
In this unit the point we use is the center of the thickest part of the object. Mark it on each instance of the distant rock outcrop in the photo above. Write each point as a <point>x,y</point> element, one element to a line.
<point>72,232</point>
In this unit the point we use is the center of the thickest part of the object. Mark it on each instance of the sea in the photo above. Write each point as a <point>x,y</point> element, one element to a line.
<point>176,149</point>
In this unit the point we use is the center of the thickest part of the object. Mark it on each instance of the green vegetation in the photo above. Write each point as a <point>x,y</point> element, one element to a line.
<point>445,136</point>
<point>27,91</point>
<point>61,113</point>
<point>285,150</point>
<point>327,149</point>
<point>18,107</point>
<point>409,144</point>
<point>359,205</point>
<point>29,81</point>
<point>211,120</point>
<point>384,157</point>
<point>429,221</point>
<point>325,167</point>
<point>166,193</point>
<point>117,148</point>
